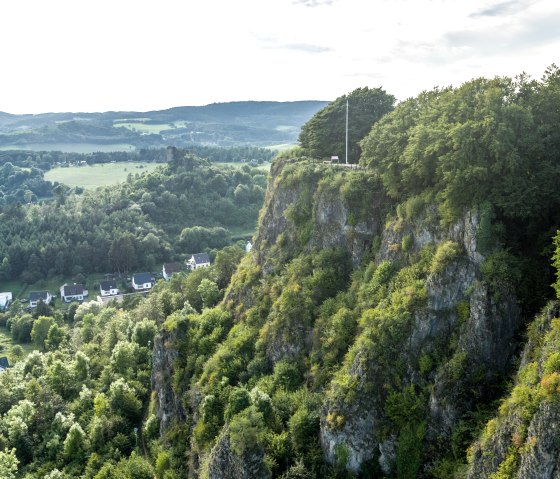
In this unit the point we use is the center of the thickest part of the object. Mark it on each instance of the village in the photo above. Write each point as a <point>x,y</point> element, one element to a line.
<point>139,283</point>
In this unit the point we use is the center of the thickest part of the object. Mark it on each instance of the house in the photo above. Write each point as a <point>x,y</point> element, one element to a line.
<point>108,288</point>
<point>4,363</point>
<point>248,247</point>
<point>73,292</point>
<point>142,281</point>
<point>169,269</point>
<point>198,260</point>
<point>36,296</point>
<point>5,300</point>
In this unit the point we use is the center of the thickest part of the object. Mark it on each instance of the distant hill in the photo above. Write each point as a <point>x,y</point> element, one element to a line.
<point>254,123</point>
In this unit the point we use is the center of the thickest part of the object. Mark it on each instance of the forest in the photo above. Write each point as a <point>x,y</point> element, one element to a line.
<point>396,320</point>
<point>184,207</point>
<point>22,172</point>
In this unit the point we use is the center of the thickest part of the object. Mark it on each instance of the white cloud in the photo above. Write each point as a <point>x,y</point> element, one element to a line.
<point>141,55</point>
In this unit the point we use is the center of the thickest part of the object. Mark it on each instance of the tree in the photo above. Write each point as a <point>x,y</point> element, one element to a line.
<point>246,429</point>
<point>42,309</point>
<point>8,464</point>
<point>40,330</point>
<point>226,263</point>
<point>122,253</point>
<point>5,269</point>
<point>144,332</point>
<point>17,352</point>
<point>75,444</point>
<point>324,135</point>
<point>209,292</point>
<point>20,328</point>
<point>55,337</point>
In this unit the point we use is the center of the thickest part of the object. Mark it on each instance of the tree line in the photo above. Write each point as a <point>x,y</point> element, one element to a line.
<point>184,207</point>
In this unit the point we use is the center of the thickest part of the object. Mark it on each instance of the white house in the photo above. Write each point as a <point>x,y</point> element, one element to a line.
<point>248,247</point>
<point>73,292</point>
<point>5,300</point>
<point>169,269</point>
<point>198,260</point>
<point>36,296</point>
<point>108,288</point>
<point>142,281</point>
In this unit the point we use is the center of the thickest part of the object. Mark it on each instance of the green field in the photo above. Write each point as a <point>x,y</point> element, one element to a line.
<point>148,128</point>
<point>6,344</point>
<point>281,146</point>
<point>93,176</point>
<point>70,147</point>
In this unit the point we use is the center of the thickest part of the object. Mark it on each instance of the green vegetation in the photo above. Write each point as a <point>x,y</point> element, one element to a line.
<point>136,225</point>
<point>220,124</point>
<point>324,135</point>
<point>94,176</point>
<point>366,324</point>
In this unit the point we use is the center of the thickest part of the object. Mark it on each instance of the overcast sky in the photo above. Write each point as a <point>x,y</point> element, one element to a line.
<point>84,55</point>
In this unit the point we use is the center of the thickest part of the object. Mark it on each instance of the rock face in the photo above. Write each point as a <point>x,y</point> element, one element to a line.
<point>224,463</point>
<point>482,336</point>
<point>331,218</point>
<point>523,440</point>
<point>483,340</point>
<point>441,332</point>
<point>169,407</point>
<point>543,459</point>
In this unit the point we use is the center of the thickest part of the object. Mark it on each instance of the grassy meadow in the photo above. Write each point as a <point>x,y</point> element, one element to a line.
<point>139,126</point>
<point>102,174</point>
<point>6,344</point>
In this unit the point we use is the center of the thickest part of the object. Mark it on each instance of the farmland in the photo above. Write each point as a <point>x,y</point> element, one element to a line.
<point>103,174</point>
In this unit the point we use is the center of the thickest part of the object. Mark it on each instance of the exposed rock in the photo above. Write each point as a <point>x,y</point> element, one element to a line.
<point>542,461</point>
<point>534,454</point>
<point>169,407</point>
<point>387,455</point>
<point>485,340</point>
<point>224,463</point>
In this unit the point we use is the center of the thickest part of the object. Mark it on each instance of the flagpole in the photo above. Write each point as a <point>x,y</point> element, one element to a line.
<point>347,131</point>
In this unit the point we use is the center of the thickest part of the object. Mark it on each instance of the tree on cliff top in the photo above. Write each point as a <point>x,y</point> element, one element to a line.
<point>324,135</point>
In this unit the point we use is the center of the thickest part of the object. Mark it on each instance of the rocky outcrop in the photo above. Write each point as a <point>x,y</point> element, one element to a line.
<point>483,340</point>
<point>168,405</point>
<point>332,220</point>
<point>523,440</point>
<point>224,463</point>
<point>542,460</point>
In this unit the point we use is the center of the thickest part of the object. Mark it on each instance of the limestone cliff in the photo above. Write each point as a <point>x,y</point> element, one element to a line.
<point>377,331</point>
<point>523,440</point>
<point>168,404</point>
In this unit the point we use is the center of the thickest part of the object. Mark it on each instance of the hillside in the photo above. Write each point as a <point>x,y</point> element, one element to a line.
<point>219,124</point>
<point>397,318</point>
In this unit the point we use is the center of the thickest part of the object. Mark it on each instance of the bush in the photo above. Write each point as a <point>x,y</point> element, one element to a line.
<point>446,252</point>
<point>246,431</point>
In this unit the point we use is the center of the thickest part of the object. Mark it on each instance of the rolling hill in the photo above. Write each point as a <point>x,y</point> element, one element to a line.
<point>263,123</point>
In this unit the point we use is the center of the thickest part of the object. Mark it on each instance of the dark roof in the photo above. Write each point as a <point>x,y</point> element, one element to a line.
<point>141,278</point>
<point>107,285</point>
<point>37,295</point>
<point>200,258</point>
<point>4,362</point>
<point>73,289</point>
<point>171,268</point>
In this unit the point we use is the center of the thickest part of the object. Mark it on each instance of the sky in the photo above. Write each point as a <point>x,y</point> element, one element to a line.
<point>139,55</point>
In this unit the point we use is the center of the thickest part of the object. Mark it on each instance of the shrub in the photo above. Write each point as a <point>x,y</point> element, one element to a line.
<point>246,431</point>
<point>446,252</point>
